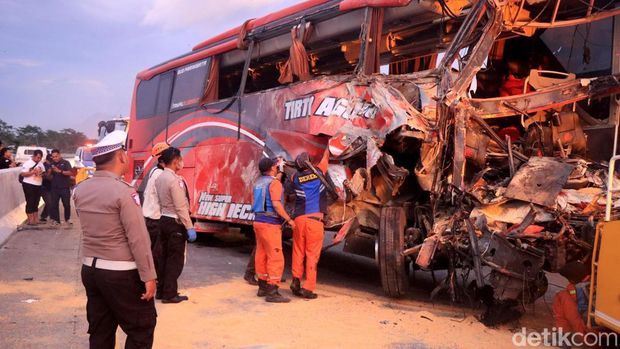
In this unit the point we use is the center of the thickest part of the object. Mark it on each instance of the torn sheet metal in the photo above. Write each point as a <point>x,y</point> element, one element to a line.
<point>390,110</point>
<point>428,165</point>
<point>349,141</point>
<point>539,181</point>
<point>373,154</point>
<point>578,201</point>
<point>551,97</point>
<point>512,266</point>
<point>512,212</point>
<point>392,175</point>
<point>337,174</point>
<point>476,144</point>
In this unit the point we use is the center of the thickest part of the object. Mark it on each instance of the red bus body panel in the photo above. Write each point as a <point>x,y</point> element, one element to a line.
<point>221,156</point>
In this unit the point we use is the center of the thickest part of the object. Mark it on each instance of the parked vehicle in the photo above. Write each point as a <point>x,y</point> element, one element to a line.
<point>24,153</point>
<point>83,163</point>
<point>453,158</point>
<point>109,126</point>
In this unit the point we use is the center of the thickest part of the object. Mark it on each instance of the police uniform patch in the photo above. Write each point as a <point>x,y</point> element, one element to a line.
<point>136,198</point>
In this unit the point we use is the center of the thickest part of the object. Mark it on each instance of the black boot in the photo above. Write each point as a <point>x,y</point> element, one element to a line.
<point>273,296</point>
<point>296,286</point>
<point>262,288</point>
<point>250,278</point>
<point>307,294</point>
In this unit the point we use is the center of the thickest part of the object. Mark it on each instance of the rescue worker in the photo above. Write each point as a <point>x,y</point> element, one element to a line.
<point>570,306</point>
<point>117,272</point>
<point>269,215</point>
<point>150,205</point>
<point>175,225</point>
<point>310,203</point>
<point>250,270</point>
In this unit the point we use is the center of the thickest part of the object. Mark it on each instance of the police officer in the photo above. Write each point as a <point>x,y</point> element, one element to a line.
<point>150,204</point>
<point>310,203</point>
<point>118,272</point>
<point>269,215</point>
<point>175,225</point>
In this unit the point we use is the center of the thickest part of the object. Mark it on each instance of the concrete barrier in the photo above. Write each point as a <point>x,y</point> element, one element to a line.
<point>12,203</point>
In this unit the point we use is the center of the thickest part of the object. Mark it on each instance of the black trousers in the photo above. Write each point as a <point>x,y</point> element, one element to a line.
<point>172,238</point>
<point>65,196</point>
<point>46,194</point>
<point>152,225</point>
<point>251,267</point>
<point>114,300</point>
<point>32,193</point>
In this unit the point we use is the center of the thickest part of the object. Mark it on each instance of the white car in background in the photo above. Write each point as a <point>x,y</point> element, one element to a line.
<point>24,153</point>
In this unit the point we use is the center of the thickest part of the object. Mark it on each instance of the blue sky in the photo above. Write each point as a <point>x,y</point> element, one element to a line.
<point>72,63</point>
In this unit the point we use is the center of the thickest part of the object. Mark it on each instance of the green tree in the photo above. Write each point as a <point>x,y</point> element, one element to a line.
<point>53,139</point>
<point>30,134</point>
<point>7,133</point>
<point>67,139</point>
<point>72,139</point>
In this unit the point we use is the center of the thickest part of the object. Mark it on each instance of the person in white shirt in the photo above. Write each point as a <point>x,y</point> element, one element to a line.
<point>32,173</point>
<point>150,205</point>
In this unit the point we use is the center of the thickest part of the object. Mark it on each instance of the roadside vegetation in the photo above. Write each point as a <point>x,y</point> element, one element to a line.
<point>66,139</point>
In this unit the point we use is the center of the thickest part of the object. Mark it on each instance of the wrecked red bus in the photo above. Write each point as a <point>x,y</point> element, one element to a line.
<point>440,117</point>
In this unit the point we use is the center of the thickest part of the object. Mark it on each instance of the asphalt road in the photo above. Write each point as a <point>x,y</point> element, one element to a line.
<point>42,303</point>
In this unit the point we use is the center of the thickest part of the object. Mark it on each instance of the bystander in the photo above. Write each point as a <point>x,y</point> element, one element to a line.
<point>46,189</point>
<point>6,159</point>
<point>60,188</point>
<point>32,173</point>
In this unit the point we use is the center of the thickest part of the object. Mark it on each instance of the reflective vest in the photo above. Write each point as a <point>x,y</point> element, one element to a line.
<point>261,204</point>
<point>309,193</point>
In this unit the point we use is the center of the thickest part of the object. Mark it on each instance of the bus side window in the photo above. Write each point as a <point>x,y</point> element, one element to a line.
<point>164,93</point>
<point>153,97</point>
<point>146,98</point>
<point>189,84</point>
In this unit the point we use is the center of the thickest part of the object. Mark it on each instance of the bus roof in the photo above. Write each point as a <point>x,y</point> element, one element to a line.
<point>227,40</point>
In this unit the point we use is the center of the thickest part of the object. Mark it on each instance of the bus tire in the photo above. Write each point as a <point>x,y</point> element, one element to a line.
<point>392,264</point>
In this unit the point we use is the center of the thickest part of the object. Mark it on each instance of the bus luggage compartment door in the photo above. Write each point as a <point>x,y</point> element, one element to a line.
<point>224,177</point>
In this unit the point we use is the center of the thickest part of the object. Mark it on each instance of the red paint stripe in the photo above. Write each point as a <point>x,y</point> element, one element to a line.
<point>196,120</point>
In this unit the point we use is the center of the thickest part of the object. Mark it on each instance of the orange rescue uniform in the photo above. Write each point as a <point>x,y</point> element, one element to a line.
<point>269,258</point>
<point>566,313</point>
<point>308,241</point>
